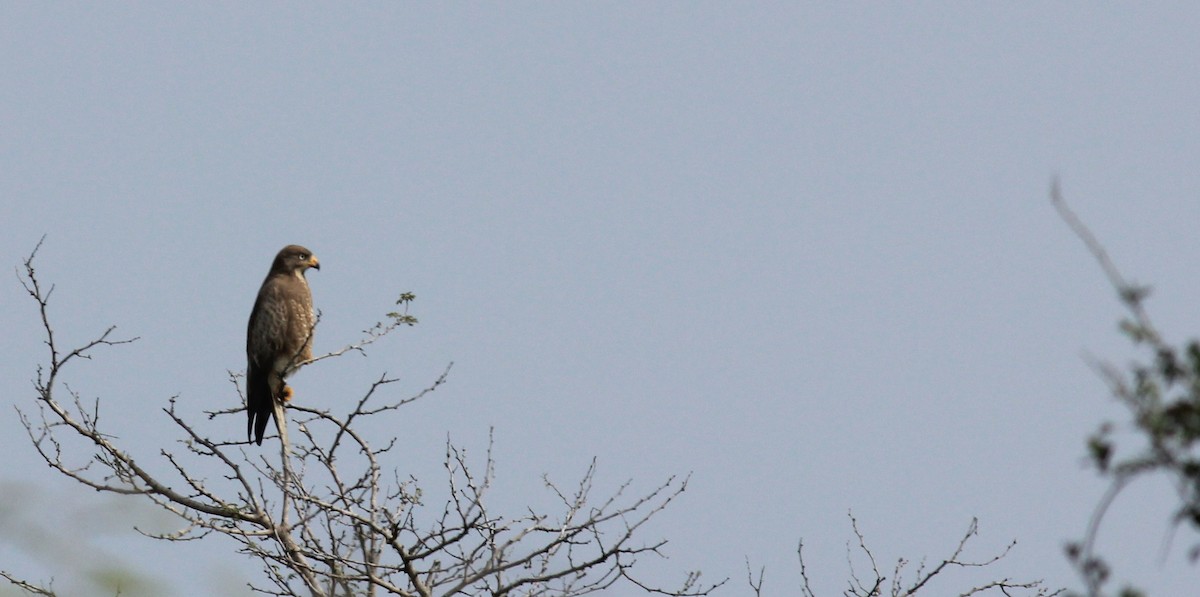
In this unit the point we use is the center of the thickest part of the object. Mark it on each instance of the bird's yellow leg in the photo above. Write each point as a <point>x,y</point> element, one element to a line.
<point>285,393</point>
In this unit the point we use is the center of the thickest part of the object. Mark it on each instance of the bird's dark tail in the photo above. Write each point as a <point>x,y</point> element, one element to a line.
<point>259,407</point>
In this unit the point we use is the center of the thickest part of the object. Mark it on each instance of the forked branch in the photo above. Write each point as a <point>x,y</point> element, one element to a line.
<point>327,517</point>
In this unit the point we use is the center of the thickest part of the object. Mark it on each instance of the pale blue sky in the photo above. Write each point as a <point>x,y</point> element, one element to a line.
<point>802,251</point>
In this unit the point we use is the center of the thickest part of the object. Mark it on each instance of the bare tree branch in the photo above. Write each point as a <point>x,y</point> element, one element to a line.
<point>324,518</point>
<point>873,586</point>
<point>26,586</point>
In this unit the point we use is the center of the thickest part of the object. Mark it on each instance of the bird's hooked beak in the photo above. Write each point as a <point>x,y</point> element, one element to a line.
<point>313,263</point>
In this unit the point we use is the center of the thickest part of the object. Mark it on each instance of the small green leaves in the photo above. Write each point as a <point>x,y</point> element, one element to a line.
<point>1100,449</point>
<point>1168,365</point>
<point>404,318</point>
<point>1133,294</point>
<point>1137,332</point>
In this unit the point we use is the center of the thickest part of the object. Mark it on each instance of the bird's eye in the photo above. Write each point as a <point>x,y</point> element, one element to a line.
<point>302,256</point>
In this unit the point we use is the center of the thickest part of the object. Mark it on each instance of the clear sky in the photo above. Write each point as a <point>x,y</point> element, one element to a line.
<point>803,251</point>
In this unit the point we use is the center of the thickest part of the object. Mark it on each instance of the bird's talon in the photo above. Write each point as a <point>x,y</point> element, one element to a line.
<point>286,393</point>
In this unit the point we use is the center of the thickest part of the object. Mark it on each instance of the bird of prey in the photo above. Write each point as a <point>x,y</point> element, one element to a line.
<point>279,336</point>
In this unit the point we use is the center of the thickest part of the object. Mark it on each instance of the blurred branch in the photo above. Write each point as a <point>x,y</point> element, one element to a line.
<point>1162,394</point>
<point>26,586</point>
<point>1131,295</point>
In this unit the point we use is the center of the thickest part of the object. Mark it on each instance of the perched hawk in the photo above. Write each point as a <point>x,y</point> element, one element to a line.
<point>279,336</point>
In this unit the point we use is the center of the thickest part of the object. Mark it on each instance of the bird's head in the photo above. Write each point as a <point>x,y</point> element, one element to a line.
<point>294,258</point>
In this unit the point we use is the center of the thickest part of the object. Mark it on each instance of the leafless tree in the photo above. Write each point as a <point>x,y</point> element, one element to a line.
<point>926,580</point>
<point>331,514</point>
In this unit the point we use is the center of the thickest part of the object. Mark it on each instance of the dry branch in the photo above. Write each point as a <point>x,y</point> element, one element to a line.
<point>324,519</point>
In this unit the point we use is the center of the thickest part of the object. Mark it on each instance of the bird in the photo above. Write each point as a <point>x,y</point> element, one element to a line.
<point>279,336</point>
